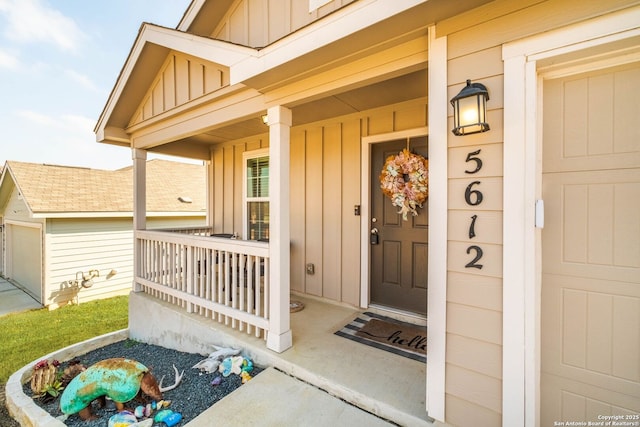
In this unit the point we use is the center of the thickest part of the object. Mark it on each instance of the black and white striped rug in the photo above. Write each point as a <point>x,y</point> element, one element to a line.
<point>404,339</point>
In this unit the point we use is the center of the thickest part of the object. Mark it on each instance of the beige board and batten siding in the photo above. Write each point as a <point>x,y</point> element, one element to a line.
<point>325,187</point>
<point>182,78</point>
<point>474,325</point>
<point>258,23</point>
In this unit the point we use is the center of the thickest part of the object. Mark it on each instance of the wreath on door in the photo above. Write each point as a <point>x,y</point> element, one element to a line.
<point>405,180</point>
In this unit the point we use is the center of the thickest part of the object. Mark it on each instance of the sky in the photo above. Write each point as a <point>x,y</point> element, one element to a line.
<point>59,60</point>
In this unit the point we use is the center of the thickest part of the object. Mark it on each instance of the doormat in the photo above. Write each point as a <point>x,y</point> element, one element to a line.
<point>394,336</point>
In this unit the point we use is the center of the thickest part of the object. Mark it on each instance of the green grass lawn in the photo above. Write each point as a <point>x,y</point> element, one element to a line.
<point>27,336</point>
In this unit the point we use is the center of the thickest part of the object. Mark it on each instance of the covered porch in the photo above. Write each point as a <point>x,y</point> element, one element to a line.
<point>386,385</point>
<point>308,102</point>
<point>201,98</point>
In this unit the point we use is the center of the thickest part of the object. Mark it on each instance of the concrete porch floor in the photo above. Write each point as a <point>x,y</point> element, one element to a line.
<point>386,385</point>
<point>390,386</point>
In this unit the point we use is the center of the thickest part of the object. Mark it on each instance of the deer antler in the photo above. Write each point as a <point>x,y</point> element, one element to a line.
<point>177,381</point>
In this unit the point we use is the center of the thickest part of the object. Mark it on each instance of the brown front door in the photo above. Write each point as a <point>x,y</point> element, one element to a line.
<point>399,256</point>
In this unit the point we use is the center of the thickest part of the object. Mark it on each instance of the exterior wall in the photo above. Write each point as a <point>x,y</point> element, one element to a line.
<point>181,79</point>
<point>475,296</point>
<point>257,23</point>
<point>17,210</point>
<point>80,245</point>
<point>325,186</point>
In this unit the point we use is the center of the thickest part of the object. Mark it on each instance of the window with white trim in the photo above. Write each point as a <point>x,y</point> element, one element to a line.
<point>256,194</point>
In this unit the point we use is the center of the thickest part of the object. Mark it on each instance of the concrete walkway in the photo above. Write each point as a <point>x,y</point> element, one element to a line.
<point>279,400</point>
<point>14,300</point>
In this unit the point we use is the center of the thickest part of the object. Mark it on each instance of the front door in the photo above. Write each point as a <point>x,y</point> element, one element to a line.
<point>590,314</point>
<point>398,247</point>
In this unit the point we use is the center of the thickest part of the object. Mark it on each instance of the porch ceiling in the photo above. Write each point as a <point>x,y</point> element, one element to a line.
<point>395,90</point>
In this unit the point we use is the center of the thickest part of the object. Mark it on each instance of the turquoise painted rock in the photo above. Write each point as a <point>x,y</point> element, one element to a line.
<point>161,415</point>
<point>118,379</point>
<point>247,365</point>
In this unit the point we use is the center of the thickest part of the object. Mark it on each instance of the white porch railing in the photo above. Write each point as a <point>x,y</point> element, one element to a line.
<point>220,278</point>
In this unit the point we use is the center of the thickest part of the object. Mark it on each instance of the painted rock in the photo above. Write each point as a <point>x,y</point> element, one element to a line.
<point>216,381</point>
<point>122,419</point>
<point>172,419</point>
<point>231,365</point>
<point>247,365</point>
<point>245,377</point>
<point>139,411</point>
<point>161,415</point>
<point>119,379</point>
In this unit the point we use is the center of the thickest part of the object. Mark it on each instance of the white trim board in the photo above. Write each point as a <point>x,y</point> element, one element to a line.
<point>438,217</point>
<point>522,174</point>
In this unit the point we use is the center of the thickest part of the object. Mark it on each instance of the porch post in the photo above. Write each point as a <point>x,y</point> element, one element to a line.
<point>279,335</point>
<point>139,206</point>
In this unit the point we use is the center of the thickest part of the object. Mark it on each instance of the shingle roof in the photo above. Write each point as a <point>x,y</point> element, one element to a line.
<point>63,189</point>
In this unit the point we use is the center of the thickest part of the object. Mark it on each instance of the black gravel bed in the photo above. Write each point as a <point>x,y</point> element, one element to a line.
<point>194,395</point>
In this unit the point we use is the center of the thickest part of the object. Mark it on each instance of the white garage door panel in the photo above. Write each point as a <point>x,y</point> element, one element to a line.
<point>593,121</point>
<point>597,218</point>
<point>26,258</point>
<point>606,350</point>
<point>577,401</point>
<point>590,306</point>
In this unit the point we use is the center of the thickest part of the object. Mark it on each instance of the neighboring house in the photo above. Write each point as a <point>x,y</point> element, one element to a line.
<point>68,230</point>
<point>533,310</point>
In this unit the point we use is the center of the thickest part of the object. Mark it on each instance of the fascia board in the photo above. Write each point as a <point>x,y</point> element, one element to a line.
<point>190,14</point>
<point>221,52</point>
<point>353,18</point>
<point>65,215</point>
<point>129,214</point>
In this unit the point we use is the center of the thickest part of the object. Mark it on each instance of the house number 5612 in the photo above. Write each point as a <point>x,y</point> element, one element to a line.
<point>473,197</point>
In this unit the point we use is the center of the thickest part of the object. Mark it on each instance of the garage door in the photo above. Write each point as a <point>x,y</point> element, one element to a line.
<point>25,257</point>
<point>591,247</point>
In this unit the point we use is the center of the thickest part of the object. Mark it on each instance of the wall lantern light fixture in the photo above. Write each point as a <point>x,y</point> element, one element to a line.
<point>470,109</point>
